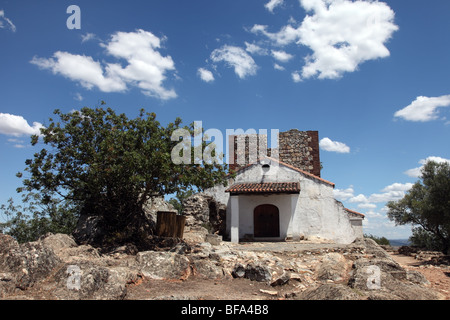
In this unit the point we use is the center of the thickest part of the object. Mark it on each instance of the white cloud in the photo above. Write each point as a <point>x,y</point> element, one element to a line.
<point>205,75</point>
<point>367,206</point>
<point>272,4</point>
<point>287,35</point>
<point>237,58</point>
<point>423,108</point>
<point>255,49</point>
<point>282,56</point>
<point>87,37</point>
<point>342,34</point>
<point>417,172</point>
<point>296,77</point>
<point>82,69</point>
<point>146,68</point>
<point>344,194</point>
<point>395,191</point>
<point>398,187</point>
<point>9,23</point>
<point>333,146</point>
<point>276,66</point>
<point>17,126</point>
<point>359,198</point>
<point>78,97</point>
<point>17,143</point>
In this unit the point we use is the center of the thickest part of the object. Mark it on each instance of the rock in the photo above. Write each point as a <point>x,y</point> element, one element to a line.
<point>416,277</point>
<point>364,266</point>
<point>26,263</point>
<point>195,234</point>
<point>329,292</point>
<point>382,278</point>
<point>269,292</point>
<point>281,280</point>
<point>238,271</point>
<point>155,204</point>
<point>163,265</point>
<point>58,241</point>
<point>87,280</point>
<point>204,210</point>
<point>408,250</point>
<point>213,239</point>
<point>82,252</point>
<point>208,269</point>
<point>258,272</point>
<point>334,267</point>
<point>128,249</point>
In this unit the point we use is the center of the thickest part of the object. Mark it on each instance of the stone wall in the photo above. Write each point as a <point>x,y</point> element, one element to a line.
<point>300,149</point>
<point>296,148</point>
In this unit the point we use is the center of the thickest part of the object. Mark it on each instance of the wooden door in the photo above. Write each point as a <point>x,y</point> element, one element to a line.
<point>266,221</point>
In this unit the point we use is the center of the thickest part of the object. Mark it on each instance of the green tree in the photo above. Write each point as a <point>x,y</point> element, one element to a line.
<point>378,240</point>
<point>32,219</point>
<point>178,200</point>
<point>427,206</point>
<point>108,166</point>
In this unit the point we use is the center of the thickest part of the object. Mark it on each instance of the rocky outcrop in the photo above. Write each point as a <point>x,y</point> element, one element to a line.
<point>163,265</point>
<point>55,267</point>
<point>202,210</point>
<point>21,266</point>
<point>90,228</point>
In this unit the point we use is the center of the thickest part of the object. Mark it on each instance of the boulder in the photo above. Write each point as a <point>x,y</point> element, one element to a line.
<point>155,204</point>
<point>163,265</point>
<point>282,279</point>
<point>58,242</point>
<point>208,269</point>
<point>329,292</point>
<point>381,278</point>
<point>334,267</point>
<point>25,264</point>
<point>88,280</point>
<point>238,271</point>
<point>258,272</point>
<point>202,210</point>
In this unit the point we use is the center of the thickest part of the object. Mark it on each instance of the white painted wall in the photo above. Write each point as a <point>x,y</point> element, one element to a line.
<point>313,212</point>
<point>248,203</point>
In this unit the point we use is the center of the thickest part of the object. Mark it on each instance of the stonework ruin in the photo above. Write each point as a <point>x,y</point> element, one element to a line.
<point>296,148</point>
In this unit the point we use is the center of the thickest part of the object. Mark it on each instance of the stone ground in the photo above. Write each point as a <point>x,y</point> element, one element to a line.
<point>196,288</point>
<point>122,276</point>
<point>439,277</point>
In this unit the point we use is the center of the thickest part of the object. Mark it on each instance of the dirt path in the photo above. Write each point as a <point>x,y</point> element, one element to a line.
<point>439,277</point>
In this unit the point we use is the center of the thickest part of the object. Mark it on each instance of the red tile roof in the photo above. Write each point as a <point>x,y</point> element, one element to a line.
<point>290,167</point>
<point>267,187</point>
<point>354,212</point>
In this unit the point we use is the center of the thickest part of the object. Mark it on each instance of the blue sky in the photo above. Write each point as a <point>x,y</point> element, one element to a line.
<point>371,76</point>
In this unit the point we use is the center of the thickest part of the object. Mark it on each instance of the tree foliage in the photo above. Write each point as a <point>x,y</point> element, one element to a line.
<point>108,166</point>
<point>32,219</point>
<point>427,206</point>
<point>378,240</point>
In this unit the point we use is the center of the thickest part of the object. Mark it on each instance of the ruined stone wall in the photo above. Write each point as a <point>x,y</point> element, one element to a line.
<point>296,148</point>
<point>300,149</point>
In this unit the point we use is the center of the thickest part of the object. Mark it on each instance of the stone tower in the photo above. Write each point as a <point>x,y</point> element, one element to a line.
<point>299,149</point>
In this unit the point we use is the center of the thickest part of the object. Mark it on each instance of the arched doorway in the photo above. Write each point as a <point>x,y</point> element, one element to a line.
<point>266,221</point>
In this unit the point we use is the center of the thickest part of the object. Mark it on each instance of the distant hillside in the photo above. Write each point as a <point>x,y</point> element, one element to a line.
<point>399,242</point>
